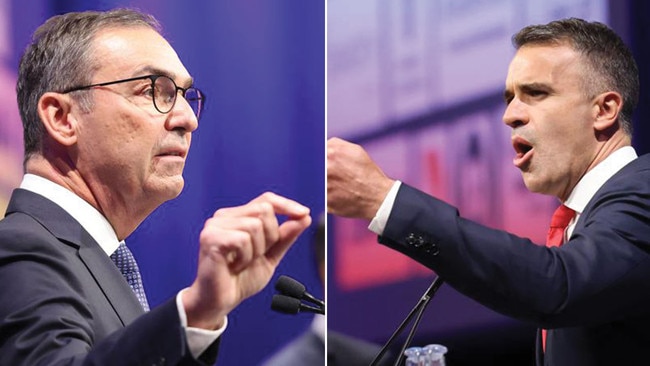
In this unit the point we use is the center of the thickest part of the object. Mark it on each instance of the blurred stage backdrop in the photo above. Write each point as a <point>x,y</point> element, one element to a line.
<point>420,83</point>
<point>261,65</point>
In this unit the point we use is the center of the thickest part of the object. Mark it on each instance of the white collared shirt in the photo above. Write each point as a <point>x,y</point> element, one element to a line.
<point>103,233</point>
<point>88,217</point>
<point>591,182</point>
<point>582,193</point>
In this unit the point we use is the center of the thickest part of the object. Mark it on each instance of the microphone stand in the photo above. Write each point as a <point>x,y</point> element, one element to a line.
<point>419,309</point>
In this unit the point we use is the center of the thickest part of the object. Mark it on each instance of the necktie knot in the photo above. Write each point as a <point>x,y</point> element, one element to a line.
<point>125,262</point>
<point>561,217</point>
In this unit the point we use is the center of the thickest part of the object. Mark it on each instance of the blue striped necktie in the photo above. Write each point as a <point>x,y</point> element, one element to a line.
<point>125,262</point>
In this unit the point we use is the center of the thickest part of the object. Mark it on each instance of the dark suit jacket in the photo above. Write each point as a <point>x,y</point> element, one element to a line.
<point>64,302</point>
<point>343,350</point>
<point>593,292</point>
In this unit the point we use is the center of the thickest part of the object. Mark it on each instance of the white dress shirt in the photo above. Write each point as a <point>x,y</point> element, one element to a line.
<point>591,182</point>
<point>101,230</point>
<point>582,193</point>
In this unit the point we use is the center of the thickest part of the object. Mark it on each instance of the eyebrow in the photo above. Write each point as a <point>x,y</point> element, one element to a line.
<point>527,88</point>
<point>535,87</point>
<point>156,71</point>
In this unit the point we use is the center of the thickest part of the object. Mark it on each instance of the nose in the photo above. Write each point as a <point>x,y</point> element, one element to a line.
<point>515,114</point>
<point>182,116</point>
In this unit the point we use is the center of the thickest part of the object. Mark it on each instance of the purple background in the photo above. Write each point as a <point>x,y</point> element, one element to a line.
<point>420,85</point>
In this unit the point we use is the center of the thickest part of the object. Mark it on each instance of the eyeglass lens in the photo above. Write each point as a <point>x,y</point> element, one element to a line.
<point>165,93</point>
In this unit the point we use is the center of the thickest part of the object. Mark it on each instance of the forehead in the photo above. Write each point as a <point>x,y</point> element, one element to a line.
<point>553,64</point>
<point>126,51</point>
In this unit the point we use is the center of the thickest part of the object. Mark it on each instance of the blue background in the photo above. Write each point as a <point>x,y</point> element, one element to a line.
<point>261,65</point>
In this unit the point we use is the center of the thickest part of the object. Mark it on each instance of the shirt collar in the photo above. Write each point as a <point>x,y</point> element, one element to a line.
<point>591,182</point>
<point>88,217</point>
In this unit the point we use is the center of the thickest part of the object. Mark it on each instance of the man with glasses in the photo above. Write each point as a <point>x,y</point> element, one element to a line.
<point>108,111</point>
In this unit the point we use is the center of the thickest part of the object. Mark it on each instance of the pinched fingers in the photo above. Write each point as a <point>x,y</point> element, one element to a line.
<point>240,247</point>
<point>289,232</point>
<point>246,232</point>
<point>282,205</point>
<point>297,221</point>
<point>239,240</point>
<point>249,217</point>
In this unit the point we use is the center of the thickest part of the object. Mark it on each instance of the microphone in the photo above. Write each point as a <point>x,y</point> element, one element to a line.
<point>289,300</point>
<point>291,305</point>
<point>419,309</point>
<point>290,287</point>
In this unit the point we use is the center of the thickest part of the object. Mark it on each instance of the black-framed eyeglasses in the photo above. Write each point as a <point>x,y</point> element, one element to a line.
<point>164,91</point>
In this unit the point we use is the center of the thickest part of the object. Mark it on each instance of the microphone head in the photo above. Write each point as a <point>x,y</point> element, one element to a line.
<point>290,287</point>
<point>285,304</point>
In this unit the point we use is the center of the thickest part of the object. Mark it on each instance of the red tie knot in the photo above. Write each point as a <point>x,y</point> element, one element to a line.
<point>562,216</point>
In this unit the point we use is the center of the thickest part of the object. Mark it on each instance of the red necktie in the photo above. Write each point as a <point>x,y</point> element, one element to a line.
<point>559,222</point>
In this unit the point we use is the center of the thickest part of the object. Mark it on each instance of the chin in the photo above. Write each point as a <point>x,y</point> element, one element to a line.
<point>177,188</point>
<point>538,186</point>
<point>532,184</point>
<point>169,188</point>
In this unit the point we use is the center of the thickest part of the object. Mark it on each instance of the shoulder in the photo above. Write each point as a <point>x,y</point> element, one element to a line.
<point>623,203</point>
<point>34,223</point>
<point>638,166</point>
<point>633,180</point>
<point>21,232</point>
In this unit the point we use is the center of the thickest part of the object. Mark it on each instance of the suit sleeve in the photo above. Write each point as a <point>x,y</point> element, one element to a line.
<point>601,274</point>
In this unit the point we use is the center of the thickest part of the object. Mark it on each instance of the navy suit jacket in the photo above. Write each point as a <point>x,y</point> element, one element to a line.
<point>593,293</point>
<point>64,302</point>
<point>343,350</point>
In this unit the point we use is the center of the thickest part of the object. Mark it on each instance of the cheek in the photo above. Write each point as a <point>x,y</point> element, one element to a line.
<point>136,137</point>
<point>563,123</point>
<point>121,145</point>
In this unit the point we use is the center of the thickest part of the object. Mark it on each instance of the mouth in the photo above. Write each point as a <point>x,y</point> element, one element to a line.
<point>524,151</point>
<point>181,153</point>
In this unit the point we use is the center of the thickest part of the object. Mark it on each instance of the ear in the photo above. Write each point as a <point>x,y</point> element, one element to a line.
<point>54,111</point>
<point>608,106</point>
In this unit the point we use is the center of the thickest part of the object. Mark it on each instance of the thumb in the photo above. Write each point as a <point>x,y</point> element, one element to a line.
<point>289,232</point>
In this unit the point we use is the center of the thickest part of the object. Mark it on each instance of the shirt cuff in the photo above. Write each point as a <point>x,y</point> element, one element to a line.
<point>198,340</point>
<point>378,223</point>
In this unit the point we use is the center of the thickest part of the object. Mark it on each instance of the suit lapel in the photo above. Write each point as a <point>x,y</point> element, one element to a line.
<point>110,280</point>
<point>639,164</point>
<point>65,228</point>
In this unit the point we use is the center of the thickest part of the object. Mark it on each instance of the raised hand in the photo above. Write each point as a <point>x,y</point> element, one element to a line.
<point>240,247</point>
<point>356,186</point>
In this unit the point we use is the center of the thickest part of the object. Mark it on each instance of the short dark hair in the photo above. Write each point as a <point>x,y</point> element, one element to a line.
<point>60,56</point>
<point>609,60</point>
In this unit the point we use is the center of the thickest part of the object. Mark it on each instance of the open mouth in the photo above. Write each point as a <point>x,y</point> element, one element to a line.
<point>524,151</point>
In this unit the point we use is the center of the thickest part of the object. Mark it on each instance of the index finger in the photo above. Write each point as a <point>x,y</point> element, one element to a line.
<point>282,205</point>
